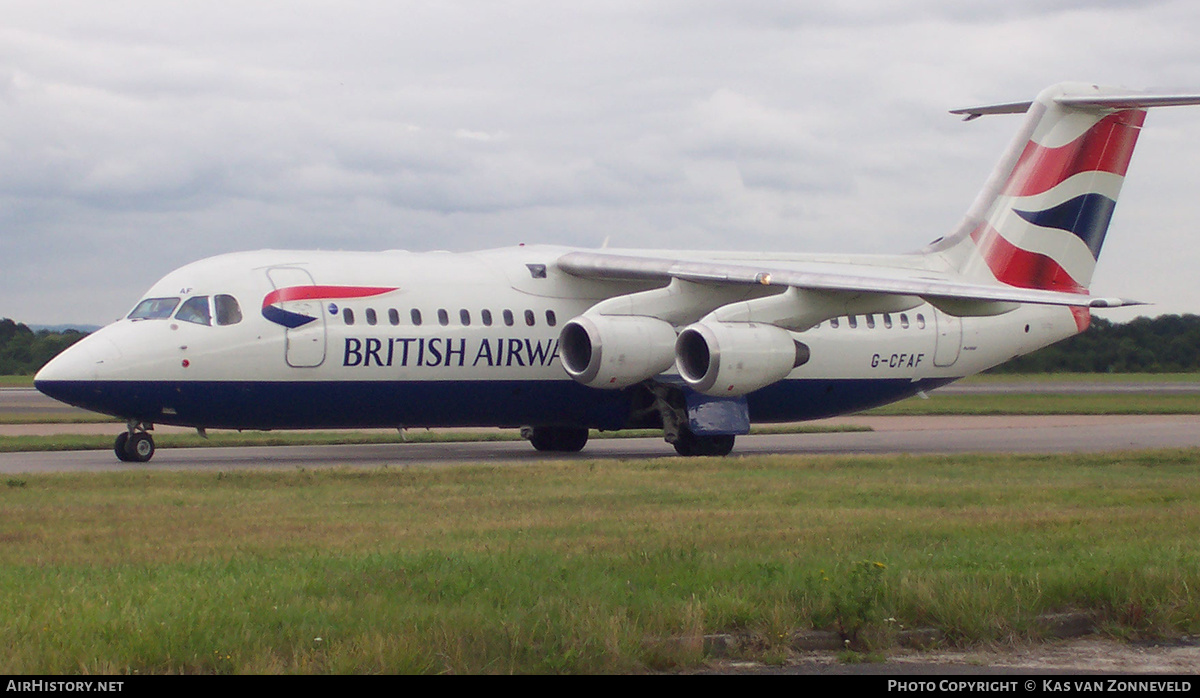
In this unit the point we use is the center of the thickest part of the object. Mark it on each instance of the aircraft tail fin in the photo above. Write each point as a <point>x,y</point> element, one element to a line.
<point>1041,219</point>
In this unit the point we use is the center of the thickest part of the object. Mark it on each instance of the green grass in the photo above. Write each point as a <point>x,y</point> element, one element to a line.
<point>592,566</point>
<point>16,381</point>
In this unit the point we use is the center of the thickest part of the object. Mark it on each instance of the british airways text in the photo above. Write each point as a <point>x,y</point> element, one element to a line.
<point>442,351</point>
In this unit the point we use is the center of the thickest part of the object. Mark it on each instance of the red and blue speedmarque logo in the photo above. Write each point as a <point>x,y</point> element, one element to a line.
<point>272,305</point>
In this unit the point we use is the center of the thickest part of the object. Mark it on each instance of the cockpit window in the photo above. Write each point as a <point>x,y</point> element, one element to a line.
<point>195,309</point>
<point>228,310</point>
<point>154,309</point>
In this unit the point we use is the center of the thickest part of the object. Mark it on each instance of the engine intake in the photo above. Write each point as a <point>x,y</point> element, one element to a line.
<point>735,358</point>
<point>616,351</point>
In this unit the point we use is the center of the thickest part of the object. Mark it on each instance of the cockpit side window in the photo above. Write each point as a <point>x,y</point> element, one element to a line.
<point>154,309</point>
<point>195,309</point>
<point>228,310</point>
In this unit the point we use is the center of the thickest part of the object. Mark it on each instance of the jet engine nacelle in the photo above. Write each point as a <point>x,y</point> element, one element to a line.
<point>616,351</point>
<point>735,358</point>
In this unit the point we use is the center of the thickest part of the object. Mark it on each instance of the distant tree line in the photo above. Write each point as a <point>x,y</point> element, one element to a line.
<point>23,351</point>
<point>1165,344</point>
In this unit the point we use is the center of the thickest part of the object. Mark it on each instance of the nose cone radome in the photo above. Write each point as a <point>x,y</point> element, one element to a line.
<point>70,372</point>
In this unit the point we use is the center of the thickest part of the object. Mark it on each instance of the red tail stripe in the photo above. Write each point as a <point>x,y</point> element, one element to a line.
<point>1018,267</point>
<point>1105,147</point>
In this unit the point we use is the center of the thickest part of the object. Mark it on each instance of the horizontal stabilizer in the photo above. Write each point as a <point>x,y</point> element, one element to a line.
<point>1085,101</point>
<point>1128,101</point>
<point>989,109</point>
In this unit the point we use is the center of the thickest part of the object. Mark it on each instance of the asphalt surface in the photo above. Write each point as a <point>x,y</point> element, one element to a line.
<point>888,435</point>
<point>891,435</point>
<point>16,401</point>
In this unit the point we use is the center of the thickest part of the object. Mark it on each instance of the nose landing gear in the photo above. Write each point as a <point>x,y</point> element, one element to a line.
<point>135,445</point>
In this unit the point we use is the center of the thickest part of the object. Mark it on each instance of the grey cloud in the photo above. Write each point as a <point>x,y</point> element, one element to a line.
<point>192,128</point>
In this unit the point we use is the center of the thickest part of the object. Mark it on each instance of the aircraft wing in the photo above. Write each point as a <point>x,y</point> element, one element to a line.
<point>821,276</point>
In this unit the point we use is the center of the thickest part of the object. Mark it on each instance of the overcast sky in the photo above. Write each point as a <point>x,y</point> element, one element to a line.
<point>139,136</point>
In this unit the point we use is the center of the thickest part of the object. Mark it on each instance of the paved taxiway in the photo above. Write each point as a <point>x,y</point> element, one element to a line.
<point>17,401</point>
<point>891,435</point>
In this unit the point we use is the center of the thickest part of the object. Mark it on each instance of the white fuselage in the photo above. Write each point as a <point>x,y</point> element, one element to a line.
<point>435,339</point>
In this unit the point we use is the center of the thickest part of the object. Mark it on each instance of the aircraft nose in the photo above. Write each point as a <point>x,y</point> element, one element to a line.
<point>64,376</point>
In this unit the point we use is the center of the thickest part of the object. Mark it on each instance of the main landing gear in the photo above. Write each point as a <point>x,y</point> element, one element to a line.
<point>688,444</point>
<point>654,405</point>
<point>671,406</point>
<point>135,445</point>
<point>560,439</point>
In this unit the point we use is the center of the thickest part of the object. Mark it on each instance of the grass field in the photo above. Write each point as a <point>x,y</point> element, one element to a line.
<point>590,566</point>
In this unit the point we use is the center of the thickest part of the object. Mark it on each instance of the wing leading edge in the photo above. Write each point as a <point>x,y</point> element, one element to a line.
<point>818,276</point>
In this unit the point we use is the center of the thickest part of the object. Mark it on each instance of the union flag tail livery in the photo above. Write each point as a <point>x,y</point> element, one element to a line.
<point>1041,221</point>
<point>557,341</point>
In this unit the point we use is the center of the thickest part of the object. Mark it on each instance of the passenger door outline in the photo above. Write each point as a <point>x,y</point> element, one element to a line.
<point>304,345</point>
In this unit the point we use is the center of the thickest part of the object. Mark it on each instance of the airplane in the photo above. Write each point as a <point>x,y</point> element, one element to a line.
<point>556,341</point>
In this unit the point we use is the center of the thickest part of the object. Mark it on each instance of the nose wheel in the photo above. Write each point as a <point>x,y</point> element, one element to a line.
<point>135,445</point>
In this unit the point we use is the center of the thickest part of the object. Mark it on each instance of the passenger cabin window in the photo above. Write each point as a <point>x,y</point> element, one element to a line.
<point>348,316</point>
<point>887,321</point>
<point>393,316</point>
<point>443,317</point>
<point>508,318</point>
<point>154,309</point>
<point>551,318</point>
<point>833,322</point>
<point>486,315</point>
<point>853,322</point>
<point>920,321</point>
<point>195,310</point>
<point>464,317</point>
<point>904,321</point>
<point>228,310</point>
<point>529,318</point>
<point>416,316</point>
<point>870,321</point>
<point>371,317</point>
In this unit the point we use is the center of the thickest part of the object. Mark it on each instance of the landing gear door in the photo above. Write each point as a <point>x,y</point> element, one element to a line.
<point>716,415</point>
<point>300,313</point>
<point>949,339</point>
